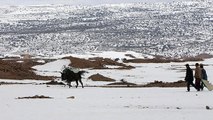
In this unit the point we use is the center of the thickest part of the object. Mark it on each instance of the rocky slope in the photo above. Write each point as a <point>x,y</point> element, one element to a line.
<point>174,29</point>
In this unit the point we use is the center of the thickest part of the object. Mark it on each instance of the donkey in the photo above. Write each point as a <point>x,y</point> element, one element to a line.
<point>69,76</point>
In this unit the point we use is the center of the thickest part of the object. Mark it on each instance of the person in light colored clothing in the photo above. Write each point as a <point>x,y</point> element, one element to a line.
<point>198,76</point>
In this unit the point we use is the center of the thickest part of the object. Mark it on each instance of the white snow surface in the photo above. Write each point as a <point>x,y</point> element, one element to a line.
<point>97,103</point>
<point>104,103</point>
<point>51,68</point>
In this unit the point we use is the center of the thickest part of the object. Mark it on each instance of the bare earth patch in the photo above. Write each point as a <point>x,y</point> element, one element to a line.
<point>151,84</point>
<point>54,83</point>
<point>99,77</point>
<point>166,84</point>
<point>12,83</point>
<point>11,69</point>
<point>161,60</point>
<point>96,63</point>
<point>122,83</point>
<point>35,97</point>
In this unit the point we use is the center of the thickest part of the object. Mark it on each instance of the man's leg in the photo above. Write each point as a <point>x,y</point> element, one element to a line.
<point>197,84</point>
<point>188,86</point>
<point>201,85</point>
<point>193,85</point>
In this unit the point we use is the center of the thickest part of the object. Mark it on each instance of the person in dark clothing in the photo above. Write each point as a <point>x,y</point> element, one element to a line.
<point>203,75</point>
<point>189,77</point>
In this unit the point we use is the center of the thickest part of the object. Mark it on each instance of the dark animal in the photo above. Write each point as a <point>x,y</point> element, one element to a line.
<point>69,76</point>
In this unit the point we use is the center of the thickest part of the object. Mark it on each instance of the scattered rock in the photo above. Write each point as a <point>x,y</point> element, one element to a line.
<point>127,106</point>
<point>208,108</point>
<point>71,97</point>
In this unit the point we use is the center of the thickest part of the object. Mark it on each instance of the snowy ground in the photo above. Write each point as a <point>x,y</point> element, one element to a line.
<point>104,103</point>
<point>96,103</point>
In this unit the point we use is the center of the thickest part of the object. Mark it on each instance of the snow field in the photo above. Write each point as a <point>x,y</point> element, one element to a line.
<point>103,103</point>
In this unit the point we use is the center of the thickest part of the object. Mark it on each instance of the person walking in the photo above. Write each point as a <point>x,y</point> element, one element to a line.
<point>197,76</point>
<point>189,77</point>
<point>203,75</point>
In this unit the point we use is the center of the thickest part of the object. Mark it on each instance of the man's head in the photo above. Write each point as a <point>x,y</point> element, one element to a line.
<point>196,64</point>
<point>201,65</point>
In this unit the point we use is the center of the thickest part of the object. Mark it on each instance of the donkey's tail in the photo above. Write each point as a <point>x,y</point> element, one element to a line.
<point>82,72</point>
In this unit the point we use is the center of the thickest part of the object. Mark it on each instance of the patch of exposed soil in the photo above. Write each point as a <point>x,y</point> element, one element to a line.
<point>99,77</point>
<point>130,55</point>
<point>122,83</point>
<point>179,83</point>
<point>204,56</point>
<point>35,97</point>
<point>138,60</point>
<point>54,83</point>
<point>96,63</point>
<point>152,84</point>
<point>161,60</point>
<point>11,69</point>
<point>12,83</point>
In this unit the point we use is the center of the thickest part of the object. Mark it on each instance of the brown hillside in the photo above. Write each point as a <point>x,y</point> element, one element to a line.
<point>10,69</point>
<point>95,63</point>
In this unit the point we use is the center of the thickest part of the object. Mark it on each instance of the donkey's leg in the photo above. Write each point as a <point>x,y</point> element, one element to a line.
<point>81,83</point>
<point>76,83</point>
<point>69,84</point>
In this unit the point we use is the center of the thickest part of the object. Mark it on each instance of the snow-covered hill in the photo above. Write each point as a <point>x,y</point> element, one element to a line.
<point>171,29</point>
